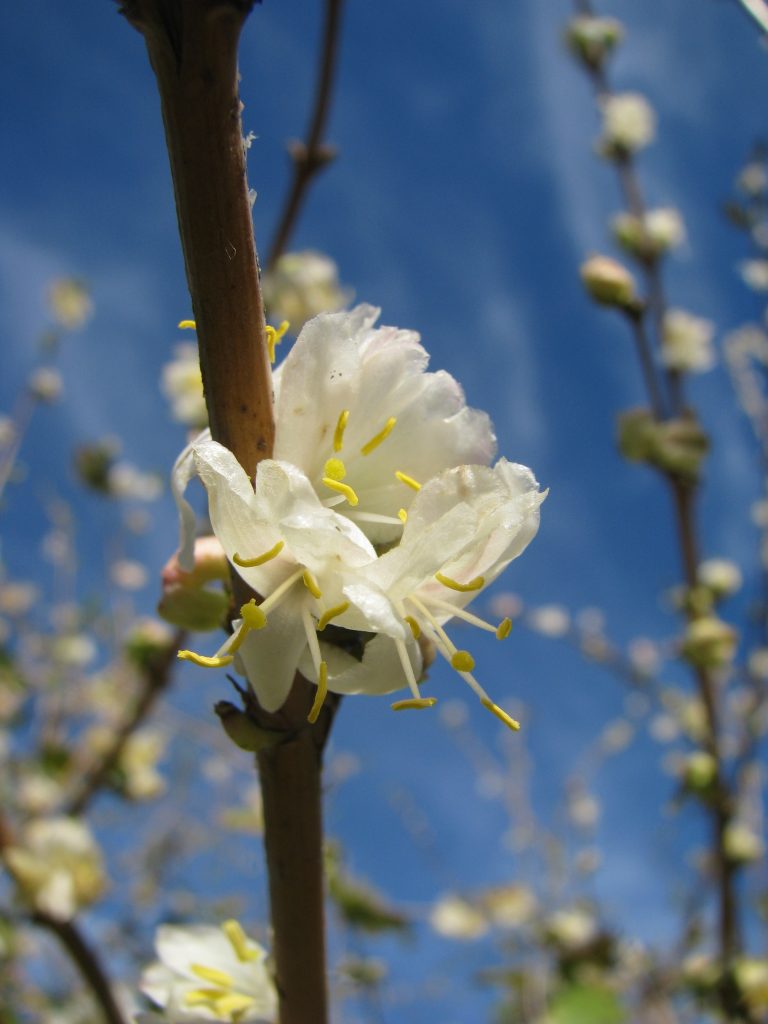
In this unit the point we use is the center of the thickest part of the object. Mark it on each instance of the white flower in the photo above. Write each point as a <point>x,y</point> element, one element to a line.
<point>686,343</point>
<point>721,576</point>
<point>754,273</point>
<point>58,865</point>
<point>211,974</point>
<point>301,286</point>
<point>182,385</point>
<point>360,426</point>
<point>629,123</point>
<point>70,302</point>
<point>356,410</point>
<point>656,232</point>
<point>454,918</point>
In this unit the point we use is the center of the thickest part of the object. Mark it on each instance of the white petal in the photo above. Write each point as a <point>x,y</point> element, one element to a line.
<point>380,670</point>
<point>181,474</point>
<point>269,656</point>
<point>372,611</point>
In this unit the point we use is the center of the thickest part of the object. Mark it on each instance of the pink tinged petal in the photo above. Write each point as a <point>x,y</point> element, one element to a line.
<point>181,474</point>
<point>269,657</point>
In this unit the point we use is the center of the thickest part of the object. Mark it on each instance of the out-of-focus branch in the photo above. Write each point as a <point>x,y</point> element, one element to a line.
<point>156,679</point>
<point>87,961</point>
<point>311,156</point>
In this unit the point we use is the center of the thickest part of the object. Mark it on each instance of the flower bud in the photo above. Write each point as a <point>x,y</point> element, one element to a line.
<point>699,773</point>
<point>242,729</point>
<point>709,643</point>
<point>721,576</point>
<point>70,303</point>
<point>651,236</point>
<point>592,39</point>
<point>686,342</point>
<point>45,384</point>
<point>147,641</point>
<point>195,608</point>
<point>751,977</point>
<point>608,282</point>
<point>742,844</point>
<point>629,124</point>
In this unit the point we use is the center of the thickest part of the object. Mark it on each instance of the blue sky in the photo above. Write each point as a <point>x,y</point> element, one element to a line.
<point>465,195</point>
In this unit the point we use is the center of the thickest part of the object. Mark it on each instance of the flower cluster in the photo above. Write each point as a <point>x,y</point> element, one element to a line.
<point>379,514</point>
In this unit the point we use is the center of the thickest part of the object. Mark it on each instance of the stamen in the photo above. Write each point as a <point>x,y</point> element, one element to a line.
<point>473,620</point>
<point>505,628</point>
<point>335,469</point>
<point>371,517</point>
<point>187,325</point>
<point>407,480</point>
<point>402,515</point>
<point>463,588</point>
<point>212,974</point>
<point>382,435</point>
<point>415,702</point>
<point>311,639</point>
<point>205,662</point>
<point>239,941</point>
<point>310,583</point>
<point>512,723</point>
<point>405,661</point>
<point>415,627</point>
<point>345,489</point>
<point>322,693</point>
<point>274,337</point>
<point>331,613</point>
<point>250,563</point>
<point>232,1005</point>
<point>252,615</point>
<point>202,996</point>
<point>277,596</point>
<point>462,661</point>
<point>341,426</point>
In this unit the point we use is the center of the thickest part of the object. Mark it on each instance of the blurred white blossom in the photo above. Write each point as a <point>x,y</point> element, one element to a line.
<point>302,285</point>
<point>182,385</point>
<point>629,123</point>
<point>686,342</point>
<point>453,917</point>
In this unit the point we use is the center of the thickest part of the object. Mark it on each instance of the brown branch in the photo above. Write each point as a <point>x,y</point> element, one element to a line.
<point>87,961</point>
<point>192,46</point>
<point>157,678</point>
<point>311,156</point>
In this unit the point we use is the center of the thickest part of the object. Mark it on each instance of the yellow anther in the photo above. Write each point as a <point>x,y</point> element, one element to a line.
<point>512,723</point>
<point>311,584</point>
<point>407,480</point>
<point>345,489</point>
<point>331,613</point>
<point>335,469</point>
<point>402,515</point>
<point>274,337</point>
<point>463,588</point>
<point>187,325</point>
<point>505,628</point>
<point>252,615</point>
<point>205,662</point>
<point>212,974</point>
<point>239,941</point>
<point>415,627</point>
<point>232,1005</point>
<point>250,563</point>
<point>322,693</point>
<point>414,702</point>
<point>341,426</point>
<point>462,661</point>
<point>382,435</point>
<point>202,996</point>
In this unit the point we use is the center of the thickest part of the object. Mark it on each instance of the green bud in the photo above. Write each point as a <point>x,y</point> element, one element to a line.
<point>709,643</point>
<point>638,434</point>
<point>682,446</point>
<point>742,844</point>
<point>592,39</point>
<point>194,608</point>
<point>699,773</point>
<point>242,729</point>
<point>609,282</point>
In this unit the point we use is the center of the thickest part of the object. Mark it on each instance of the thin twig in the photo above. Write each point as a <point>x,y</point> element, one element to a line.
<point>87,961</point>
<point>157,678</point>
<point>312,155</point>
